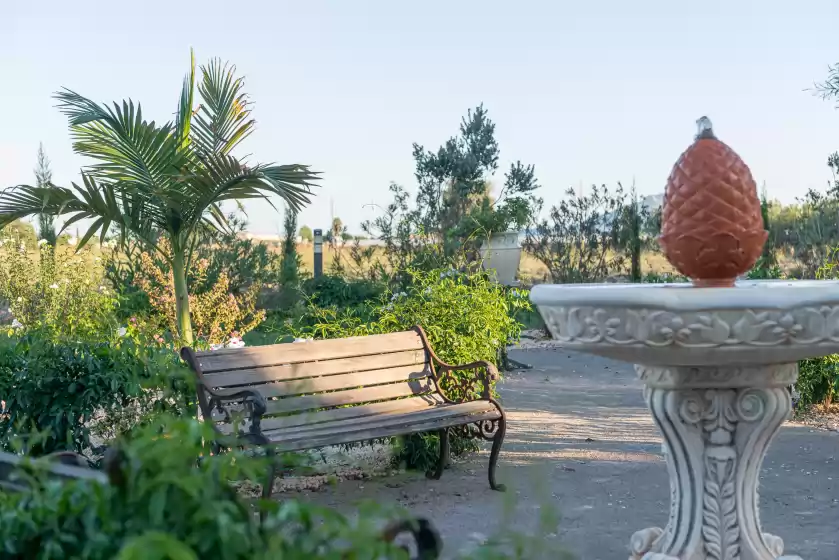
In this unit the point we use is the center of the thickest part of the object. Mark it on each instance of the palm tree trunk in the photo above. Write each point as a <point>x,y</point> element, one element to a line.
<point>181,297</point>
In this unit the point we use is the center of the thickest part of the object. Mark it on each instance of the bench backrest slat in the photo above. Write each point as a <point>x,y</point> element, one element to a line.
<point>343,381</point>
<point>303,370</point>
<point>415,387</point>
<point>320,350</point>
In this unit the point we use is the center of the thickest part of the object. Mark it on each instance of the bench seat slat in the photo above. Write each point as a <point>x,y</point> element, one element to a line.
<point>392,425</point>
<point>443,410</point>
<point>262,356</point>
<point>302,370</point>
<point>351,397</point>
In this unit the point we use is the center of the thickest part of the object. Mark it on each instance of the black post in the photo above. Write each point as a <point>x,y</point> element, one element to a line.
<point>318,234</point>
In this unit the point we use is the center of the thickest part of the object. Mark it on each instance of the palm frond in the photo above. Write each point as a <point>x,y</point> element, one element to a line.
<point>127,147</point>
<point>224,178</point>
<point>223,118</point>
<point>184,118</point>
<point>23,201</point>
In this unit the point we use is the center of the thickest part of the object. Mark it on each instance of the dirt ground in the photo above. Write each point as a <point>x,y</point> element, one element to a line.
<point>581,443</point>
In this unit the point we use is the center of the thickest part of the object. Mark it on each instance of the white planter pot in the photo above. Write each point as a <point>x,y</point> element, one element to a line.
<point>501,256</point>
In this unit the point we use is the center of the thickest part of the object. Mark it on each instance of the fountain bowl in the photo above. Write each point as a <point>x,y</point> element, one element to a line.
<point>753,323</point>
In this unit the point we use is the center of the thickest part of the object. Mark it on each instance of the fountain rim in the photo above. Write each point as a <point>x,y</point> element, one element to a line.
<point>746,294</point>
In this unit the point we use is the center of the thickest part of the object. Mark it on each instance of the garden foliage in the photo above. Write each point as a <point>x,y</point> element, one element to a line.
<point>818,378</point>
<point>173,499</point>
<point>57,292</point>
<point>217,313</point>
<point>60,396</point>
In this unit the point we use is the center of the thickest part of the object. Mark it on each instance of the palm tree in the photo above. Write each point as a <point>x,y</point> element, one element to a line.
<point>152,181</point>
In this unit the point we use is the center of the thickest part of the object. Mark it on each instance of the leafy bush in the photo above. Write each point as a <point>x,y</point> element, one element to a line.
<point>454,209</point>
<point>663,278</point>
<point>19,234</point>
<point>581,239</point>
<point>466,316</point>
<point>765,269</point>
<point>818,380</point>
<point>58,293</point>
<point>336,291</point>
<point>173,499</point>
<point>67,393</point>
<point>245,262</point>
<point>217,313</point>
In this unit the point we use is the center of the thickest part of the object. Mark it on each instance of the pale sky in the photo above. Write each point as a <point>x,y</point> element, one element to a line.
<point>588,91</point>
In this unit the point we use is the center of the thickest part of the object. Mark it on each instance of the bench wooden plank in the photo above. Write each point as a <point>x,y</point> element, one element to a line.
<point>350,435</point>
<point>338,382</point>
<point>261,356</point>
<point>350,397</point>
<point>386,419</point>
<point>229,379</point>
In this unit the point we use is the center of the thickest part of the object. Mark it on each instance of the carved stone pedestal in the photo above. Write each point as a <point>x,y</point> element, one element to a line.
<point>717,423</point>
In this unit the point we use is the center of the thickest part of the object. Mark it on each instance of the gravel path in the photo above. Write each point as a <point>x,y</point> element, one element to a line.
<point>581,444</point>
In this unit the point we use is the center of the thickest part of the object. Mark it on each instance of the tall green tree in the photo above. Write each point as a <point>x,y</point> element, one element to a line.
<point>151,181</point>
<point>43,178</point>
<point>290,264</point>
<point>306,233</point>
<point>453,202</point>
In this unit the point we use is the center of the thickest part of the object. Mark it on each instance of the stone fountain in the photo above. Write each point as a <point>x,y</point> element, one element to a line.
<point>716,357</point>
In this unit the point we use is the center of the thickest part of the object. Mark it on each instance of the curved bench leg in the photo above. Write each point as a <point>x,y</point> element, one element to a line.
<point>444,455</point>
<point>268,487</point>
<point>497,440</point>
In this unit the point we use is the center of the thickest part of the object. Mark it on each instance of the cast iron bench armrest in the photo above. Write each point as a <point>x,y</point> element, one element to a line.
<point>490,372</point>
<point>251,399</point>
<point>488,375</point>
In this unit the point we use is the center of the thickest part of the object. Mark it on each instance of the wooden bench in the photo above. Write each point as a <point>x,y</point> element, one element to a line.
<point>291,397</point>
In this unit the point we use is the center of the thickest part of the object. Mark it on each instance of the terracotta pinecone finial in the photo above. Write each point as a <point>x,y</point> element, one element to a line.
<point>712,227</point>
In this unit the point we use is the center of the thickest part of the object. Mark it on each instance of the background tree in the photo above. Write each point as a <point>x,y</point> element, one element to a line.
<point>43,178</point>
<point>580,241</point>
<point>634,215</point>
<point>454,202</point>
<point>454,211</point>
<point>306,234</point>
<point>169,180</point>
<point>336,237</point>
<point>291,261</point>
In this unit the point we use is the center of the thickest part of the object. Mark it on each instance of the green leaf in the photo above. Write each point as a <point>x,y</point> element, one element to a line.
<point>156,545</point>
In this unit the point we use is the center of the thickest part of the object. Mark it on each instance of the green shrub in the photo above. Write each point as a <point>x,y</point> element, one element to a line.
<point>58,292</point>
<point>466,316</point>
<point>766,268</point>
<point>332,290</point>
<point>663,278</point>
<point>174,500</point>
<point>818,380</point>
<point>68,392</point>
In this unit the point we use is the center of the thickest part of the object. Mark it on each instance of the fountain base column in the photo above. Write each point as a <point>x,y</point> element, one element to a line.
<point>717,423</point>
